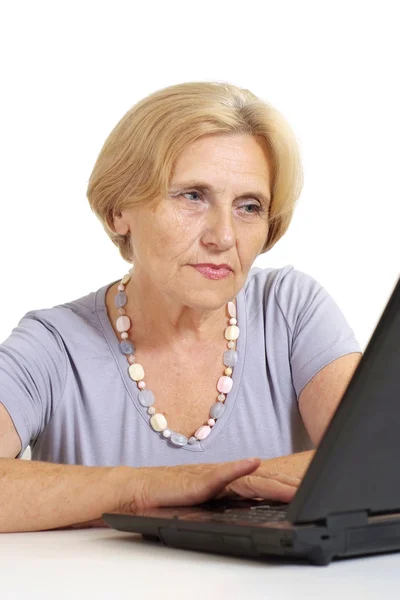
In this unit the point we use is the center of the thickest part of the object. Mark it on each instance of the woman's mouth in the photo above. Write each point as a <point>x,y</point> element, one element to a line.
<point>211,271</point>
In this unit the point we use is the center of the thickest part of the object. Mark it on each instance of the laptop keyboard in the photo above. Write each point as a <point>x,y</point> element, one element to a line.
<point>256,514</point>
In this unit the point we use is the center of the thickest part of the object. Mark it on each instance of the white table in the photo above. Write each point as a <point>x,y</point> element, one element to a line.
<point>106,564</point>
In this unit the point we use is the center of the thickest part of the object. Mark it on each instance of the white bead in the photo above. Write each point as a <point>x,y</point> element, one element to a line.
<point>221,397</point>
<point>166,433</point>
<point>121,287</point>
<point>136,372</point>
<point>158,422</point>
<point>151,410</point>
<point>124,335</point>
<point>233,321</point>
<point>231,345</point>
<point>232,332</point>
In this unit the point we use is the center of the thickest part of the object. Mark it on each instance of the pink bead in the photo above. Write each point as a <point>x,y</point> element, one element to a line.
<point>141,385</point>
<point>202,432</point>
<point>124,335</point>
<point>224,384</point>
<point>232,309</point>
<point>123,323</point>
<point>121,287</point>
<point>211,422</point>
<point>131,359</point>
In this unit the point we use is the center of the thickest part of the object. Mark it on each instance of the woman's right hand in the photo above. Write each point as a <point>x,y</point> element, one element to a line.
<point>187,485</point>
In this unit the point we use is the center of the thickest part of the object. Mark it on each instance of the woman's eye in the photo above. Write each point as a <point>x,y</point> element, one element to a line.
<point>190,194</point>
<point>255,209</point>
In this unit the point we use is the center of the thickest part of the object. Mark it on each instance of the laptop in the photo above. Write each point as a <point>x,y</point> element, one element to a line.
<point>348,503</point>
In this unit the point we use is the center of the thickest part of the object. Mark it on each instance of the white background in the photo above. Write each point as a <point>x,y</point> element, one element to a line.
<point>70,70</point>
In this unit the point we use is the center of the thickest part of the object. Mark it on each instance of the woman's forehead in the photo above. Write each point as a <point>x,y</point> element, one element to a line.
<point>219,157</point>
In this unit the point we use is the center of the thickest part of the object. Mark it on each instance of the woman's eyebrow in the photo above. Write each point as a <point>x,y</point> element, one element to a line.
<point>200,185</point>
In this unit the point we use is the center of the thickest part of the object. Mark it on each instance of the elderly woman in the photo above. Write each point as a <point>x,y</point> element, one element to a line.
<point>156,388</point>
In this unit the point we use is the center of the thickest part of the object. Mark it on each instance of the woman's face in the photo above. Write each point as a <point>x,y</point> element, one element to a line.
<point>214,212</point>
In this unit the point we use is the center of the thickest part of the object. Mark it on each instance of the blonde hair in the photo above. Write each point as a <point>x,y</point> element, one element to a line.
<point>137,159</point>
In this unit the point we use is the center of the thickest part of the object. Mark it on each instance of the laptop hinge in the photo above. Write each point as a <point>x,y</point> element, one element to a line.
<point>347,519</point>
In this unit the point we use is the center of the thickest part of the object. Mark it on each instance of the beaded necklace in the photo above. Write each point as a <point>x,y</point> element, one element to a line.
<point>146,398</point>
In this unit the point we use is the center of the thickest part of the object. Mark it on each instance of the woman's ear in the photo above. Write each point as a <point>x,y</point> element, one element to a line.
<point>120,224</point>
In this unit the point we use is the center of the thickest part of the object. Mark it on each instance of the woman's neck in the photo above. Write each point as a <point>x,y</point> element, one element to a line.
<point>157,318</point>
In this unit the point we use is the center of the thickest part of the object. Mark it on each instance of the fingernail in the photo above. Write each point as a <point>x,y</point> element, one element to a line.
<point>251,461</point>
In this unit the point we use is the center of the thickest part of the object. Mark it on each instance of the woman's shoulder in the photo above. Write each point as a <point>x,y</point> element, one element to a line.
<point>74,318</point>
<point>274,283</point>
<point>285,292</point>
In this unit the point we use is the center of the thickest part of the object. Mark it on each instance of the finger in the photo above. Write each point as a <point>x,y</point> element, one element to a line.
<point>284,478</point>
<point>222,475</point>
<point>270,489</point>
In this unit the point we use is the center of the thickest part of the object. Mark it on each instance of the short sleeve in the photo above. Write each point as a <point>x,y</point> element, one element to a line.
<point>32,376</point>
<point>319,330</point>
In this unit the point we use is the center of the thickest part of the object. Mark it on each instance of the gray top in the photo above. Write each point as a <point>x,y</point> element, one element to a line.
<point>65,382</point>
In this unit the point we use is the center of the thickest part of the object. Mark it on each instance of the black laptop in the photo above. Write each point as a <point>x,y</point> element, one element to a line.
<point>348,503</point>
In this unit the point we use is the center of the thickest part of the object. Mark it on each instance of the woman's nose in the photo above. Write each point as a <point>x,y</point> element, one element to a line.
<point>219,230</point>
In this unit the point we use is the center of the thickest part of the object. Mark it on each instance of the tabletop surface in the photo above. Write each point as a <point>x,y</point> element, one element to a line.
<point>104,563</point>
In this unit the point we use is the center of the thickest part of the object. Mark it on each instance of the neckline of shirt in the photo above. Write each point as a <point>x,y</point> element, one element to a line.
<point>122,364</point>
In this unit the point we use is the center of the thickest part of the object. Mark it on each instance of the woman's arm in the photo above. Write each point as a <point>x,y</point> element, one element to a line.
<point>317,403</point>
<point>36,496</point>
<point>321,396</point>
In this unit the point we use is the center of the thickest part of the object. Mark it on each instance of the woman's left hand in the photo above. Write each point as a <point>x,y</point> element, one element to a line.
<point>263,483</point>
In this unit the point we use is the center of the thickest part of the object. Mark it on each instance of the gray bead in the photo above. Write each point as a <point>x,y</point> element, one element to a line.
<point>230,358</point>
<point>192,440</point>
<point>178,439</point>
<point>217,410</point>
<point>146,397</point>
<point>127,347</point>
<point>120,299</point>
